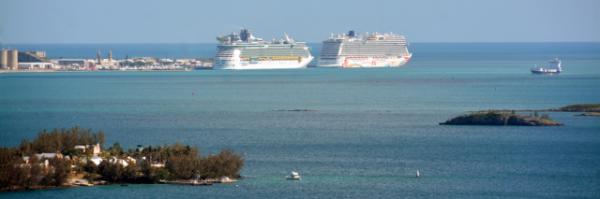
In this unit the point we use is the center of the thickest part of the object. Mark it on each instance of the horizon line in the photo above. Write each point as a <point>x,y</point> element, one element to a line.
<point>474,42</point>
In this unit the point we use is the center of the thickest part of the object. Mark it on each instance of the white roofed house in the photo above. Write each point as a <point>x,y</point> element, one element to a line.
<point>130,159</point>
<point>96,160</point>
<point>153,164</point>
<point>80,147</point>
<point>42,156</point>
<point>96,149</point>
<point>157,165</point>
<point>123,162</point>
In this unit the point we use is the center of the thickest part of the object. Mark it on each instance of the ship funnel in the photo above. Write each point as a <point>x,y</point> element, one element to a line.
<point>351,33</point>
<point>245,35</point>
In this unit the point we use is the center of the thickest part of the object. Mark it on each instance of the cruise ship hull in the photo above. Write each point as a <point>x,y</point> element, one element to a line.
<point>236,64</point>
<point>364,51</point>
<point>364,62</point>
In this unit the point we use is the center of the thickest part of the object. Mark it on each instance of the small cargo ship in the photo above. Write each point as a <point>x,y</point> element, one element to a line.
<point>553,68</point>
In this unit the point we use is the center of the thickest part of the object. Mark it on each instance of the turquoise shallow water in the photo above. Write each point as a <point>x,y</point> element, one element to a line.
<point>372,130</point>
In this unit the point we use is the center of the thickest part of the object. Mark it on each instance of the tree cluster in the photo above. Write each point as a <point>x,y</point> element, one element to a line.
<point>61,140</point>
<point>15,174</point>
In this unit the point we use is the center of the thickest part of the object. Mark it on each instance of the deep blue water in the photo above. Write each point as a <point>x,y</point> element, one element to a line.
<point>372,130</point>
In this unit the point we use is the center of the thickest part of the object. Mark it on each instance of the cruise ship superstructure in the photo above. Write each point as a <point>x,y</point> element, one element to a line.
<point>369,50</point>
<point>244,51</point>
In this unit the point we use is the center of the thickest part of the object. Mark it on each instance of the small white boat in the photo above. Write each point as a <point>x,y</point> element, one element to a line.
<point>226,179</point>
<point>418,173</point>
<point>294,176</point>
<point>554,68</point>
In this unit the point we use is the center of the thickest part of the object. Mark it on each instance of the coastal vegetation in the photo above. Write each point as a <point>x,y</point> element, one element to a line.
<point>67,157</point>
<point>62,141</point>
<point>15,174</point>
<point>501,118</point>
<point>587,109</point>
<point>581,108</point>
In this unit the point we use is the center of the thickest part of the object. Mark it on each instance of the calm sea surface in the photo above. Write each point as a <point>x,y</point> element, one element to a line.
<point>372,130</point>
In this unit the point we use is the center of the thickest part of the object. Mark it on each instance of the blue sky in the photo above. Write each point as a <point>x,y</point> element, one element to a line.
<point>190,21</point>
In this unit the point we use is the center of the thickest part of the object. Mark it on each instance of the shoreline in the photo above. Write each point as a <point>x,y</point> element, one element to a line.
<point>75,184</point>
<point>90,71</point>
<point>587,109</point>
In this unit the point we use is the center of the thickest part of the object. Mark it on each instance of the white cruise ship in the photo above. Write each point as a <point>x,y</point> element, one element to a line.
<point>244,51</point>
<point>369,50</point>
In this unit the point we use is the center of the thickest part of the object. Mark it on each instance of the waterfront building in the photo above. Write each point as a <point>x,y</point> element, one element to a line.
<point>36,66</point>
<point>34,60</point>
<point>13,59</point>
<point>95,148</point>
<point>106,64</point>
<point>76,64</point>
<point>3,59</point>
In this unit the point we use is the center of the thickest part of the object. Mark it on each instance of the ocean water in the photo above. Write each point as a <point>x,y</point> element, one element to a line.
<point>372,128</point>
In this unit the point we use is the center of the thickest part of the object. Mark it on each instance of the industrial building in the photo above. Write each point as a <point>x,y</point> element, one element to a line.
<point>9,59</point>
<point>3,59</point>
<point>76,64</point>
<point>12,59</point>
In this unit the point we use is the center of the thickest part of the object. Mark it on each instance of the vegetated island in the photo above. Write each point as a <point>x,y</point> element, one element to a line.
<point>75,157</point>
<point>586,109</point>
<point>501,118</point>
<point>511,118</point>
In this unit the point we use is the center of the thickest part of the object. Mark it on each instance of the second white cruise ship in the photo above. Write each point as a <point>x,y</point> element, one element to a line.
<point>371,50</point>
<point>244,51</point>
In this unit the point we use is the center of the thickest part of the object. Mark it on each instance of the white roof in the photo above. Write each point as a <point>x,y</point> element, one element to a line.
<point>45,155</point>
<point>96,160</point>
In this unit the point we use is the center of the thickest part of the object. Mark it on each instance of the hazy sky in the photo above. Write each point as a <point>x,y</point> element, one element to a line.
<point>193,21</point>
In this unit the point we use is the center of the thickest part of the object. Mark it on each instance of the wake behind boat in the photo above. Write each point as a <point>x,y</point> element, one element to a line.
<point>553,68</point>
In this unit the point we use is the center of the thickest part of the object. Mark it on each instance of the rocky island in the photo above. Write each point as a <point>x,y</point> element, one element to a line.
<point>501,118</point>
